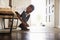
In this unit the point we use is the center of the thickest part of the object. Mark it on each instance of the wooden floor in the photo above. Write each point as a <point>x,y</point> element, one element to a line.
<point>42,34</point>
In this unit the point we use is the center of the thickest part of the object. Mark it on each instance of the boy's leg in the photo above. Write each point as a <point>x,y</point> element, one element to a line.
<point>22,27</point>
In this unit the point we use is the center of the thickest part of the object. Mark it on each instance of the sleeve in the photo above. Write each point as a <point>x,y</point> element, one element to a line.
<point>18,14</point>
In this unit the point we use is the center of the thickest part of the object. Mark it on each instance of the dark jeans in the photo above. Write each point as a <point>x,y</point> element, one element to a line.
<point>22,26</point>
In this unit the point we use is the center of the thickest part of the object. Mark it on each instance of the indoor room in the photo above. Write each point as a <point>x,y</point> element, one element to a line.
<point>29,19</point>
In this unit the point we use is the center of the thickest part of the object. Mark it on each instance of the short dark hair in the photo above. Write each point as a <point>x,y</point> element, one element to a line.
<point>31,7</point>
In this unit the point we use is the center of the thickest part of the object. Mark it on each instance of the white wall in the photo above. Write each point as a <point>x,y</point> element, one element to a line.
<point>20,5</point>
<point>59,14</point>
<point>56,14</point>
<point>4,3</point>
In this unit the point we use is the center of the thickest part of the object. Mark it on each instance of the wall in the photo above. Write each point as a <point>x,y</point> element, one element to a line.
<point>20,5</point>
<point>56,17</point>
<point>4,3</point>
<point>59,14</point>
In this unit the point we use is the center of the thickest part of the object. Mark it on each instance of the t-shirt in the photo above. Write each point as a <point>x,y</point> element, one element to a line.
<point>24,17</point>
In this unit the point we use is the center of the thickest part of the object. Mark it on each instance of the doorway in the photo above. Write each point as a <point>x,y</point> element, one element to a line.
<point>43,15</point>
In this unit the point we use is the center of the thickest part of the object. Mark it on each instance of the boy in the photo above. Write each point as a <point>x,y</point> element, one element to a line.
<point>24,17</point>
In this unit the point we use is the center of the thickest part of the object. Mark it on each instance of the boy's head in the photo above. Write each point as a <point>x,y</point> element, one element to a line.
<point>29,9</point>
